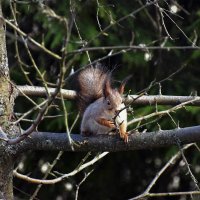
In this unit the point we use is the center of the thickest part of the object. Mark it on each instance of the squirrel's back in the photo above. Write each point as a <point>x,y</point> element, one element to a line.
<point>89,83</point>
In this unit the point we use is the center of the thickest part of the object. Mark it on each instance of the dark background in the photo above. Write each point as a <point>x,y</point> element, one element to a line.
<point>120,175</point>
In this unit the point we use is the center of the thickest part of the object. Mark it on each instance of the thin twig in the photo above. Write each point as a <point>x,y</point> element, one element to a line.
<point>31,39</point>
<point>82,181</point>
<point>50,167</point>
<point>131,14</point>
<point>134,47</point>
<point>172,161</point>
<point>189,170</point>
<point>163,112</point>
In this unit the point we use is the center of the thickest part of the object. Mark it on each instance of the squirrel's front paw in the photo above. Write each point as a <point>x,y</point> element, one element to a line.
<point>106,122</point>
<point>111,124</point>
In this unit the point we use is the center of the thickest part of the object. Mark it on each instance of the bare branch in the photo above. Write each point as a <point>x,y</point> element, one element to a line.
<point>41,92</point>
<point>170,194</point>
<point>162,100</point>
<point>163,112</point>
<point>31,39</point>
<point>63,177</point>
<point>134,47</point>
<point>50,167</point>
<point>131,14</point>
<point>171,162</point>
<point>82,181</point>
<point>59,141</point>
<point>142,100</point>
<point>39,117</point>
<point>189,170</point>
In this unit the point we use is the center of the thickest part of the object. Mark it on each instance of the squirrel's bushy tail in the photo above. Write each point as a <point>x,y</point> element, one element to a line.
<point>89,83</point>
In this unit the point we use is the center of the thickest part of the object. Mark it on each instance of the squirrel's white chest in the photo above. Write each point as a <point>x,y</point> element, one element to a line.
<point>122,116</point>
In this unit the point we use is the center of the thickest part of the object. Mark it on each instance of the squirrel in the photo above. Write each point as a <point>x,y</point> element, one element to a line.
<point>100,105</point>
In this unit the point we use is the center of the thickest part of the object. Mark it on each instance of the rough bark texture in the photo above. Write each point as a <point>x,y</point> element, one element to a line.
<point>130,99</point>
<point>4,77</point>
<point>6,108</point>
<point>59,141</point>
<point>6,177</point>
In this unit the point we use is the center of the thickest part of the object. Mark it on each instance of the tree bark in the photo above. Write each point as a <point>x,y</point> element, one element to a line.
<point>130,99</point>
<point>59,141</point>
<point>6,110</point>
<point>6,177</point>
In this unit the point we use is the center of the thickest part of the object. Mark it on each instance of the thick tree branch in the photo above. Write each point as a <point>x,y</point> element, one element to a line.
<point>135,99</point>
<point>59,141</point>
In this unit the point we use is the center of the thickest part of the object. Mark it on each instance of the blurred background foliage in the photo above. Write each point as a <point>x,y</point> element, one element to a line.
<point>124,174</point>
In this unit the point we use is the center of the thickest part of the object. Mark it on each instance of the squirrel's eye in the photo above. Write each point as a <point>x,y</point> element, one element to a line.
<point>108,102</point>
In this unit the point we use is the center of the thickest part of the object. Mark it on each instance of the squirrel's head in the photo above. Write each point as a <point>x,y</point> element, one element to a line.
<point>113,97</point>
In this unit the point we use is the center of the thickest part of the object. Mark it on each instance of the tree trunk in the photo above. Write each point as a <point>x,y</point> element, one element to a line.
<point>6,110</point>
<point>6,177</point>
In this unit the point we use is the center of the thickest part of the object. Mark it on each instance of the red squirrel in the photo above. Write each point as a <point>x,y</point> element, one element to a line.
<point>100,105</point>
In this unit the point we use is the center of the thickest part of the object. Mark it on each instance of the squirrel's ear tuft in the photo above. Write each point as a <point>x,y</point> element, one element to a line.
<point>121,87</point>
<point>107,86</point>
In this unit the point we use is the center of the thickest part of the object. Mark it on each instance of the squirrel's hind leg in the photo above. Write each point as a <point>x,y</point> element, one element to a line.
<point>122,131</point>
<point>86,133</point>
